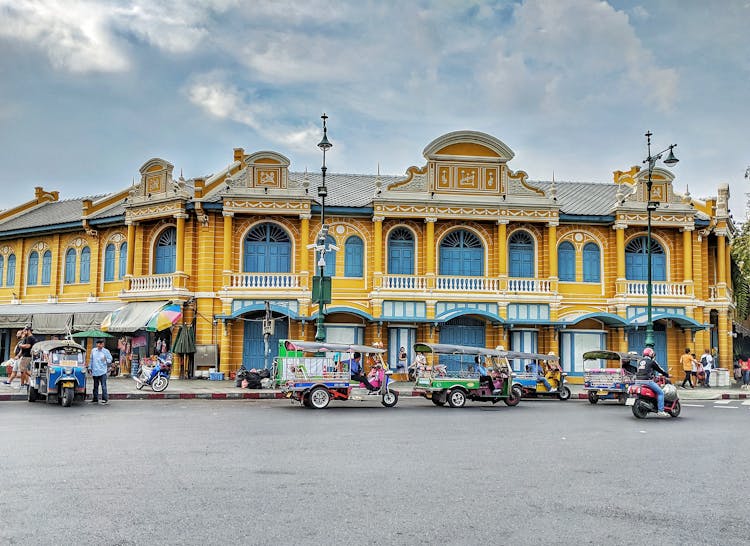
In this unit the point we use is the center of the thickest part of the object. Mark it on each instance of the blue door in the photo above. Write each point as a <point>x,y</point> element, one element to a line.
<point>521,255</point>
<point>253,346</point>
<point>461,331</point>
<point>268,249</point>
<point>461,254</point>
<point>401,252</point>
<point>637,341</point>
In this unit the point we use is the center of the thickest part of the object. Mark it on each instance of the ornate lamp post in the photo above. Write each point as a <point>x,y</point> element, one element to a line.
<point>650,207</point>
<point>320,332</point>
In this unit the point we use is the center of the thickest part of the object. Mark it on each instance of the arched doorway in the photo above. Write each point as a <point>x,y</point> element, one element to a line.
<point>461,331</point>
<point>253,343</point>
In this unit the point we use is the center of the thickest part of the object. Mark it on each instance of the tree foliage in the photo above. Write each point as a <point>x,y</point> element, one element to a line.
<point>741,272</point>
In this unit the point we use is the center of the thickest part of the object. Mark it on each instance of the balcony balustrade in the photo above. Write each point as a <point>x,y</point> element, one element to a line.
<point>659,289</point>
<point>151,283</point>
<point>264,281</point>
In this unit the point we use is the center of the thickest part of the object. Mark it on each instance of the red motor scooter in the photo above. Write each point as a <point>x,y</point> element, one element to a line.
<point>643,399</point>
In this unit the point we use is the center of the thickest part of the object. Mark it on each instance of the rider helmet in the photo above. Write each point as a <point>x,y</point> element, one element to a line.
<point>649,352</point>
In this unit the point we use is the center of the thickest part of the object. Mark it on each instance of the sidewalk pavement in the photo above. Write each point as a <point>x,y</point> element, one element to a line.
<point>123,388</point>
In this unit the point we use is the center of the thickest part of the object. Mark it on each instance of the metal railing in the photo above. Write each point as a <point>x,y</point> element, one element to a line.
<point>264,280</point>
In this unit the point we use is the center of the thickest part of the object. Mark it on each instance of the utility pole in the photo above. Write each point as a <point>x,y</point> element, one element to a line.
<point>267,333</point>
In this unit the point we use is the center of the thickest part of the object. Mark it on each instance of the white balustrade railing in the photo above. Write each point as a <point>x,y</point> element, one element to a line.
<point>403,282</point>
<point>540,286</point>
<point>151,283</point>
<point>467,284</point>
<point>640,288</point>
<point>712,292</point>
<point>264,280</point>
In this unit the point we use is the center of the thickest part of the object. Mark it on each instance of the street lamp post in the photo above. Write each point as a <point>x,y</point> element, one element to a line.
<point>324,145</point>
<point>650,207</point>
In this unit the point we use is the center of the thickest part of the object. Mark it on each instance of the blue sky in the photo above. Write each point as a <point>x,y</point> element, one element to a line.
<point>90,90</point>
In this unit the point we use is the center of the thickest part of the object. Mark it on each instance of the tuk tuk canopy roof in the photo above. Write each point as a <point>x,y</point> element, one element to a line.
<point>447,349</point>
<point>52,344</point>
<point>609,355</point>
<point>318,347</point>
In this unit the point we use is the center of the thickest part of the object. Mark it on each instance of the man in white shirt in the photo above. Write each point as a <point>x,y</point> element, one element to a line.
<point>708,364</point>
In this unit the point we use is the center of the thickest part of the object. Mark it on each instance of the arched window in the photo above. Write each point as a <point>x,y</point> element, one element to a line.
<point>32,277</point>
<point>353,250</point>
<point>166,252</point>
<point>636,260</point>
<point>461,253</point>
<point>85,273</point>
<point>591,263</point>
<point>268,249</point>
<point>330,257</point>
<point>2,267</point>
<point>109,263</point>
<point>10,279</point>
<point>123,260</point>
<point>70,266</point>
<point>566,262</point>
<point>47,268</point>
<point>521,251</point>
<point>401,252</point>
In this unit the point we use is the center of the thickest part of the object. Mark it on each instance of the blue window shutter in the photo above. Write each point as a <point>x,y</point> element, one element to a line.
<point>70,266</point>
<point>109,263</point>
<point>461,253</point>
<point>11,277</point>
<point>401,252</point>
<point>566,262</point>
<point>636,260</point>
<point>32,277</point>
<point>166,252</point>
<point>353,265</point>
<point>2,267</point>
<point>47,268</point>
<point>330,257</point>
<point>123,260</point>
<point>267,249</point>
<point>521,252</point>
<point>85,273</point>
<point>591,263</point>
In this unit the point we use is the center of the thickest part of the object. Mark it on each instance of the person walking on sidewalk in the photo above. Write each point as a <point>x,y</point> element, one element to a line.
<point>101,359</point>
<point>708,364</point>
<point>27,343</point>
<point>745,367</point>
<point>687,365</point>
<point>15,359</point>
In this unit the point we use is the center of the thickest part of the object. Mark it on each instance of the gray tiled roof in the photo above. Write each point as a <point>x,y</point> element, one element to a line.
<point>48,214</point>
<point>116,210</point>
<point>345,190</point>
<point>583,198</point>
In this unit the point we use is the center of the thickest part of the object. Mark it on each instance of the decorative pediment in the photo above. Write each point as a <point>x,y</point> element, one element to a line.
<point>157,184</point>
<point>468,145</point>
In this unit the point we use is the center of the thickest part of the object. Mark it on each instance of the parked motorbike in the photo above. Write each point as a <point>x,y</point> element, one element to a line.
<point>157,376</point>
<point>643,399</point>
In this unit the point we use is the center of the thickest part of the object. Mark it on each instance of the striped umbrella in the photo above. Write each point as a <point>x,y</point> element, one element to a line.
<point>165,317</point>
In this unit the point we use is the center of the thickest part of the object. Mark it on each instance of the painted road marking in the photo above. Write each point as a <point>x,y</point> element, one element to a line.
<point>722,401</point>
<point>746,403</point>
<point>726,407</point>
<point>694,405</point>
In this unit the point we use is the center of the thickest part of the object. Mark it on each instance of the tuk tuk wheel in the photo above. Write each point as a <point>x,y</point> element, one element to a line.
<point>319,397</point>
<point>306,400</point>
<point>390,399</point>
<point>593,397</point>
<point>564,393</point>
<point>514,397</point>
<point>67,397</point>
<point>33,394</point>
<point>438,401</point>
<point>456,398</point>
<point>622,398</point>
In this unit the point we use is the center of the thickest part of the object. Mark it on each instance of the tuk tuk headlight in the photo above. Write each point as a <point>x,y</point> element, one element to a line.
<point>68,371</point>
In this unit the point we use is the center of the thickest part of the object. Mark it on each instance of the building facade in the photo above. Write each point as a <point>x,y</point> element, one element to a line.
<point>461,249</point>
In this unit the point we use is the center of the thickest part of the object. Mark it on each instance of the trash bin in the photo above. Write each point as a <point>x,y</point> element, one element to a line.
<point>719,377</point>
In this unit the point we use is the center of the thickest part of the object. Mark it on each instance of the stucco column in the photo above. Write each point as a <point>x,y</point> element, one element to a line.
<point>502,248</point>
<point>180,255</point>
<point>131,248</point>
<point>227,266</point>
<point>725,341</point>
<point>225,346</point>
<point>687,253</point>
<point>430,251</point>
<point>552,249</point>
<point>721,258</point>
<point>620,250</point>
<point>378,254</point>
<point>304,235</point>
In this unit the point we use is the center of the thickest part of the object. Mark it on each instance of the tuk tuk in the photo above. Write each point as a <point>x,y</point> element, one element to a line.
<point>544,370</point>
<point>58,372</point>
<point>456,379</point>
<point>313,373</point>
<point>611,382</point>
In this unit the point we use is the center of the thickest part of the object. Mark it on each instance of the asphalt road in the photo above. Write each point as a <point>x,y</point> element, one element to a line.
<point>261,472</point>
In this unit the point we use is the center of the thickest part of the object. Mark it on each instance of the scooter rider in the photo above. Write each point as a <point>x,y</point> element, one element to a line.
<point>647,367</point>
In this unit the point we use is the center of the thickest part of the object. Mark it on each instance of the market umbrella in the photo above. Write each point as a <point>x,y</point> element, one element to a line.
<point>184,342</point>
<point>92,333</point>
<point>165,317</point>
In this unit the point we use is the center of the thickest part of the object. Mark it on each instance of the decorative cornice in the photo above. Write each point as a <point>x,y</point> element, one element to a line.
<point>232,204</point>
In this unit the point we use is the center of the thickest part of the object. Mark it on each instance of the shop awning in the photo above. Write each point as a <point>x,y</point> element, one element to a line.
<point>686,323</point>
<point>55,318</point>
<point>608,319</point>
<point>132,316</point>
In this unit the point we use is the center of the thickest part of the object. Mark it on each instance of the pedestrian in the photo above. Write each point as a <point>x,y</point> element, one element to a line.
<point>15,359</point>
<point>687,365</point>
<point>99,364</point>
<point>707,361</point>
<point>745,366</point>
<point>27,342</point>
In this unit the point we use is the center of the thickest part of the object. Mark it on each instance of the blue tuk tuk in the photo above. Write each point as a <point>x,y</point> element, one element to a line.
<point>58,372</point>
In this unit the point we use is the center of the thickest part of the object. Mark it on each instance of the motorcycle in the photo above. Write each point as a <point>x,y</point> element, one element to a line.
<point>643,399</point>
<point>159,380</point>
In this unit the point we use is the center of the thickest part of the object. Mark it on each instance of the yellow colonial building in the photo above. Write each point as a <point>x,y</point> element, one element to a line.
<point>461,249</point>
